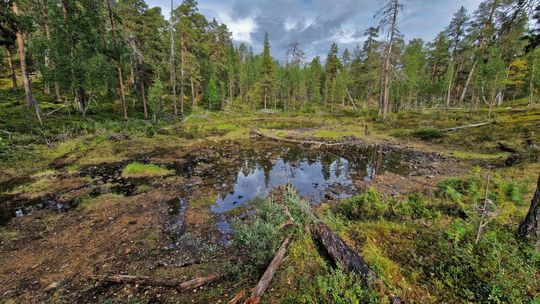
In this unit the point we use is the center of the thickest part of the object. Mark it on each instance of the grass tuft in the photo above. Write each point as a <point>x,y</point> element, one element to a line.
<point>136,169</point>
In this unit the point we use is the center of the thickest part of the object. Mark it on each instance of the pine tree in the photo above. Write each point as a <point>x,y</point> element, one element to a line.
<point>266,71</point>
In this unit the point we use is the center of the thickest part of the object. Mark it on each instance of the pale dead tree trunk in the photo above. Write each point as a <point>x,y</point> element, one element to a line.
<point>118,64</point>
<point>173,63</point>
<point>450,83</point>
<point>182,72</point>
<point>388,15</point>
<point>531,85</point>
<point>468,82</point>
<point>48,63</point>
<point>30,101</point>
<point>192,91</point>
<point>530,227</point>
<point>13,75</point>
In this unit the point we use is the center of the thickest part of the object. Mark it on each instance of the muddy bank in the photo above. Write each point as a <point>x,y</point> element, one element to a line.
<point>176,225</point>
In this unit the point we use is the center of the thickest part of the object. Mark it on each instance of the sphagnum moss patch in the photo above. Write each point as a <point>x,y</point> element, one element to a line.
<point>137,170</point>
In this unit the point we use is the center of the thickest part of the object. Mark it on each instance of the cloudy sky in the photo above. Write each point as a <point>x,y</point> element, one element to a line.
<point>315,24</point>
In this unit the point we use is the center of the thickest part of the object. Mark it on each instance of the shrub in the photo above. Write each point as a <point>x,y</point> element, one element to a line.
<point>367,206</point>
<point>415,207</point>
<point>429,133</point>
<point>336,287</point>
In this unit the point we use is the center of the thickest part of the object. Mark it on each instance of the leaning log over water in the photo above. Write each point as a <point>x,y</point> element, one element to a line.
<point>256,132</point>
<point>265,280</point>
<point>341,253</point>
<point>147,281</point>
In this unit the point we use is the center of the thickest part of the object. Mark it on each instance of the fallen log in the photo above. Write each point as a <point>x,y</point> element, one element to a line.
<point>265,280</point>
<point>147,281</point>
<point>467,126</point>
<point>255,132</point>
<point>342,254</point>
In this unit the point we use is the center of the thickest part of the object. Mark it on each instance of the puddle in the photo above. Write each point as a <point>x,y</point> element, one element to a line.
<point>316,175</point>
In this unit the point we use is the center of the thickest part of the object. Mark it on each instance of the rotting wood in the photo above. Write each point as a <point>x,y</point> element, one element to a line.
<point>294,141</point>
<point>265,280</point>
<point>341,253</point>
<point>467,126</point>
<point>147,281</point>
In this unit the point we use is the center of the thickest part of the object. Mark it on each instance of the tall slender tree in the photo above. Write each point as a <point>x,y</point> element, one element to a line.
<point>388,15</point>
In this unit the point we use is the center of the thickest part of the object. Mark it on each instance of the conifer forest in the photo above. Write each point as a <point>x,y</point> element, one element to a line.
<point>269,151</point>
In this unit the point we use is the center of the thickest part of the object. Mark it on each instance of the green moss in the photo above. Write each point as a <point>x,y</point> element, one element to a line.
<point>136,169</point>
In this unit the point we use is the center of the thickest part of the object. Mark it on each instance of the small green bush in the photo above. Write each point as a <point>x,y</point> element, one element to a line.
<point>336,287</point>
<point>367,206</point>
<point>414,207</point>
<point>429,133</point>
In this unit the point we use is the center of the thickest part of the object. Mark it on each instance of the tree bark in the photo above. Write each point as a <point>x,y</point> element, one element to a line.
<point>118,64</point>
<point>30,101</point>
<point>467,83</point>
<point>12,69</point>
<point>530,227</point>
<point>341,253</point>
<point>265,280</point>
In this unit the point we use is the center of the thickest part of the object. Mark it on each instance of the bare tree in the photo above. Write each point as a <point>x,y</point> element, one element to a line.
<point>388,16</point>
<point>30,101</point>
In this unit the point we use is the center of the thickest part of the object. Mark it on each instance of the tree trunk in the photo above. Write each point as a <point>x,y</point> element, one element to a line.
<point>450,84</point>
<point>143,97</point>
<point>12,70</point>
<point>118,64</point>
<point>182,73</point>
<point>192,91</point>
<point>530,227</point>
<point>341,253</point>
<point>173,63</point>
<point>265,280</point>
<point>30,101</point>
<point>467,83</point>
<point>57,94</point>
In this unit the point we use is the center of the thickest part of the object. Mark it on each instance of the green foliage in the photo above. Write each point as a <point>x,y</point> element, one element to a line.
<point>337,287</point>
<point>367,206</point>
<point>259,236</point>
<point>415,207</point>
<point>429,133</point>
<point>155,93</point>
<point>137,169</point>
<point>211,95</point>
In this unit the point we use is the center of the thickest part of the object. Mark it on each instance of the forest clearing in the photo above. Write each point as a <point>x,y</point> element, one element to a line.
<point>156,159</point>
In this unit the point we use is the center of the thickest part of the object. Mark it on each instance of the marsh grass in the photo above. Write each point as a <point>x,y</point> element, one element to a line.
<point>137,170</point>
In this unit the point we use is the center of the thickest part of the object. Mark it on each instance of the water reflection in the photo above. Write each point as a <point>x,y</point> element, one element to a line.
<point>311,177</point>
<point>315,175</point>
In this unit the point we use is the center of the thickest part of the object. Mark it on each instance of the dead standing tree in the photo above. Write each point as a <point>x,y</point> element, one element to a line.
<point>388,16</point>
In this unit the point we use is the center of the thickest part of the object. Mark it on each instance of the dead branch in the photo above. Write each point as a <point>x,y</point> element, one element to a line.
<point>265,280</point>
<point>147,281</point>
<point>467,126</point>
